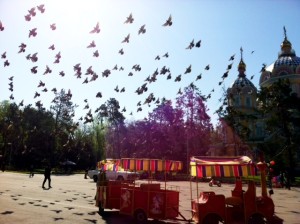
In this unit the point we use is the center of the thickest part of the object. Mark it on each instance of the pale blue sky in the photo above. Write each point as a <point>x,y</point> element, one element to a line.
<point>223,27</point>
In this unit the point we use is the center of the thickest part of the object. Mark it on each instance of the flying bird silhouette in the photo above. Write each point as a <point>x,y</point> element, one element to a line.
<point>6,63</point>
<point>178,78</point>
<point>121,52</point>
<point>96,54</point>
<point>191,45</point>
<point>34,69</point>
<point>32,12</point>
<point>96,29</point>
<point>166,55</point>
<point>142,29</point>
<point>198,44</point>
<point>225,75</point>
<point>168,21</point>
<point>41,84</point>
<point>99,95</point>
<point>34,57</point>
<point>3,56</point>
<point>22,48</point>
<point>231,58</point>
<point>32,32</point>
<point>27,17</point>
<point>129,19</point>
<point>229,66</point>
<point>52,47</point>
<point>263,68</point>
<point>179,92</point>
<point>41,8</point>
<point>53,26</point>
<point>199,77</point>
<point>91,45</point>
<point>207,67</point>
<point>126,39</point>
<point>188,69</point>
<point>115,67</point>
<point>48,70</point>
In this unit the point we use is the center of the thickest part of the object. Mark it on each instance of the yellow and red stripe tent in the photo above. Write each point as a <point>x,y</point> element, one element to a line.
<point>113,165</point>
<point>145,164</point>
<point>206,166</point>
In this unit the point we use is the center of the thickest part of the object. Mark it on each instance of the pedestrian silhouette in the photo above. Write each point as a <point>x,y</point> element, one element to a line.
<point>47,175</point>
<point>31,173</point>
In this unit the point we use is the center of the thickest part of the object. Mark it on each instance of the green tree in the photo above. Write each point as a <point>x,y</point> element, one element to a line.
<point>63,111</point>
<point>281,109</point>
<point>115,119</point>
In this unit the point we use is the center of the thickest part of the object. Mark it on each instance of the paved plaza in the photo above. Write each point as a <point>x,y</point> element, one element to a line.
<point>71,200</point>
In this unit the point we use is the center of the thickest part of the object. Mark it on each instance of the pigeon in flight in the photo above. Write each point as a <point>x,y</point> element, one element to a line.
<point>22,48</point>
<point>28,17</point>
<point>96,29</point>
<point>41,8</point>
<point>263,68</point>
<point>6,63</point>
<point>96,54</point>
<point>34,57</point>
<point>166,55</point>
<point>126,39</point>
<point>41,84</point>
<point>229,66</point>
<point>33,32</point>
<point>48,70</point>
<point>34,69</point>
<point>121,52</point>
<point>53,26</point>
<point>191,45</point>
<point>142,29</point>
<point>188,69</point>
<point>231,58</point>
<point>179,92</point>
<point>129,19</point>
<point>3,56</point>
<point>199,77</point>
<point>99,95</point>
<point>198,44</point>
<point>91,45</point>
<point>52,47</point>
<point>32,12</point>
<point>178,78</point>
<point>207,67</point>
<point>168,21</point>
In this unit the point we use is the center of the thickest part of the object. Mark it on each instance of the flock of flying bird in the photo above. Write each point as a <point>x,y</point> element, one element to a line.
<point>91,75</point>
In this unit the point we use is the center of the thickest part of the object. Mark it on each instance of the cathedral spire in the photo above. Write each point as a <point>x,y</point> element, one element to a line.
<point>242,65</point>
<point>286,45</point>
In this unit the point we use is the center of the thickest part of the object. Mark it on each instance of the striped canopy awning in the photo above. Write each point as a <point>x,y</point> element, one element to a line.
<point>113,165</point>
<point>141,164</point>
<point>222,167</point>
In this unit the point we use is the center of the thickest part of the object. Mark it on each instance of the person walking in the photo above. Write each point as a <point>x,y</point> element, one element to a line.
<point>47,175</point>
<point>31,173</point>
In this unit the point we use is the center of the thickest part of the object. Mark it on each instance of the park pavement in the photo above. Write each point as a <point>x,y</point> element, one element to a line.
<point>71,200</point>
